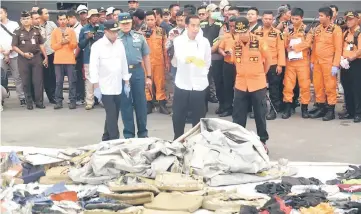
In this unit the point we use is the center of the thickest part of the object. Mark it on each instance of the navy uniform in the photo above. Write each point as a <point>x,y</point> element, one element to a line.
<point>135,48</point>
<point>31,70</point>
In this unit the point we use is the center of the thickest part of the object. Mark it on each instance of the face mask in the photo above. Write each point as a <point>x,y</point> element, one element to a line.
<point>216,16</point>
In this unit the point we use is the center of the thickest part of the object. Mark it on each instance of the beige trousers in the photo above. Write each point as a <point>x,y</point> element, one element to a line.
<point>89,87</point>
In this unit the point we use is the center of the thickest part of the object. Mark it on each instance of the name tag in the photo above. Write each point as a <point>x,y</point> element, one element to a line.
<point>33,41</point>
<point>136,40</point>
<point>349,47</point>
<point>23,42</point>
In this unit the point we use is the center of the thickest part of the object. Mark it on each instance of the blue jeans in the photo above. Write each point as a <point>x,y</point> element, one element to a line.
<point>138,100</point>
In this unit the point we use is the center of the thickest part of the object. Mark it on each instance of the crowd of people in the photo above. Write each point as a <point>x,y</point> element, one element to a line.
<point>174,60</point>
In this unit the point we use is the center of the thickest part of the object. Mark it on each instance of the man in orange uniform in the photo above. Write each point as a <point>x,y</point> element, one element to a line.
<point>276,45</point>
<point>351,72</point>
<point>225,48</point>
<point>156,39</point>
<point>252,60</point>
<point>325,62</point>
<point>297,66</point>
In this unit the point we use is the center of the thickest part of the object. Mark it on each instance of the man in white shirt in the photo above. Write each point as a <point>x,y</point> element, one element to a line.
<point>108,68</point>
<point>9,58</point>
<point>193,54</point>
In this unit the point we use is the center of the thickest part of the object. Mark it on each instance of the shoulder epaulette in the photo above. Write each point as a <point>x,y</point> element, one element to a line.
<point>18,28</point>
<point>136,32</point>
<point>37,27</point>
<point>218,23</point>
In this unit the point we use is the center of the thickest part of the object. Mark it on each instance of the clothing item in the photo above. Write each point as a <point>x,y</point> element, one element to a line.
<point>85,43</point>
<point>350,80</point>
<point>158,79</point>
<point>6,38</point>
<point>307,199</point>
<point>217,72</point>
<point>49,78</point>
<point>274,84</point>
<point>135,102</point>
<point>325,84</point>
<point>60,71</point>
<point>14,69</point>
<point>46,30</point>
<point>108,66</point>
<point>229,77</point>
<point>89,87</point>
<point>292,75</point>
<point>111,105</point>
<point>64,54</point>
<point>271,188</point>
<point>135,45</point>
<point>192,75</point>
<point>287,180</point>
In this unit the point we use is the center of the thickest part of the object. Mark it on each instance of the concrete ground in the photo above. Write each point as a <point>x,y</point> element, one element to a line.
<point>296,139</point>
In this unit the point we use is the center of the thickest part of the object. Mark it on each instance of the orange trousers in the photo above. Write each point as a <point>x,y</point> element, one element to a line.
<point>325,84</point>
<point>158,78</point>
<point>302,74</point>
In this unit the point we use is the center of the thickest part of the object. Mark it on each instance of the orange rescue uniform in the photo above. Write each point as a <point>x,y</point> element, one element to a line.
<point>326,53</point>
<point>300,68</point>
<point>275,43</point>
<point>158,60</point>
<point>249,60</point>
<point>227,43</point>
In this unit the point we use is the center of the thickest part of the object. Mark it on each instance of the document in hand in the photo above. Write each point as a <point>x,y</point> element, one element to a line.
<point>293,55</point>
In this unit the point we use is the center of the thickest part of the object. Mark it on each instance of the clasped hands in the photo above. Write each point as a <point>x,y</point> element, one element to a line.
<point>196,61</point>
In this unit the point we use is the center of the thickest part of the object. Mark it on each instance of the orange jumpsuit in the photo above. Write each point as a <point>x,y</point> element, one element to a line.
<point>298,69</point>
<point>158,60</point>
<point>326,53</point>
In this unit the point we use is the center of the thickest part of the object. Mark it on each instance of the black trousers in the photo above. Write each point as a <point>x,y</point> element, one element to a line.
<point>31,73</point>
<point>229,77</point>
<point>259,104</point>
<point>183,101</point>
<point>351,83</point>
<point>274,87</point>
<point>49,78</point>
<point>217,72</point>
<point>60,71</point>
<point>80,85</point>
<point>111,105</point>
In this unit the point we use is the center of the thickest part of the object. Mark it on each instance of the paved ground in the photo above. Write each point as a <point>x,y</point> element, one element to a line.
<point>296,139</point>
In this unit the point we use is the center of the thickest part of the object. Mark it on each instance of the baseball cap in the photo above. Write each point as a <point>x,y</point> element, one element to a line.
<point>223,4</point>
<point>211,7</point>
<point>242,25</point>
<point>82,9</point>
<point>109,11</point>
<point>139,13</point>
<point>282,10</point>
<point>101,10</point>
<point>92,12</point>
<point>351,14</point>
<point>111,25</point>
<point>124,18</point>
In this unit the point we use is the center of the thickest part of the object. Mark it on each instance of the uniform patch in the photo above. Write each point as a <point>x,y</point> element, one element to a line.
<point>253,59</point>
<point>254,44</point>
<point>260,34</point>
<point>238,53</point>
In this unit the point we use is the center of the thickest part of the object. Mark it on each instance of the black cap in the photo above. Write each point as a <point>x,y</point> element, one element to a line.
<point>139,13</point>
<point>101,10</point>
<point>133,1</point>
<point>111,25</point>
<point>242,25</point>
<point>25,14</point>
<point>351,14</point>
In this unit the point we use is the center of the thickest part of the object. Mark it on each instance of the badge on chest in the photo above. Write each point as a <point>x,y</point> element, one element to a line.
<point>238,53</point>
<point>272,34</point>
<point>254,45</point>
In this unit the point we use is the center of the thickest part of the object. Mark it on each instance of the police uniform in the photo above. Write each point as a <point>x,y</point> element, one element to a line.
<point>251,81</point>
<point>136,48</point>
<point>31,70</point>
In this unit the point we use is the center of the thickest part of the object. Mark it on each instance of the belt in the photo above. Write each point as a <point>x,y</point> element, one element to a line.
<point>133,66</point>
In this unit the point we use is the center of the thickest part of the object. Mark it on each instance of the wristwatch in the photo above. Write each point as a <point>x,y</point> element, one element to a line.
<point>149,77</point>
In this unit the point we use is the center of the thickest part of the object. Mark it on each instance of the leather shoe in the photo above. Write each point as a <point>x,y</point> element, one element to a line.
<point>30,107</point>
<point>345,116</point>
<point>226,113</point>
<point>41,106</point>
<point>357,119</point>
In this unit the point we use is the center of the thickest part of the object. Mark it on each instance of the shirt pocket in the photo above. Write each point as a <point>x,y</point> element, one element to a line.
<point>137,45</point>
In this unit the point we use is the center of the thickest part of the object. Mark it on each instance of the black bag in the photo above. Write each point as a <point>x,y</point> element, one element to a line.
<point>355,37</point>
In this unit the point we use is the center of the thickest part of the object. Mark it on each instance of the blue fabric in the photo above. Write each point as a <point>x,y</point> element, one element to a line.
<point>138,100</point>
<point>55,189</point>
<point>135,47</point>
<point>85,43</point>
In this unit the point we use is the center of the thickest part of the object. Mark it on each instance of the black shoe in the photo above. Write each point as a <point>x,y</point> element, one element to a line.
<point>287,112</point>
<point>320,112</point>
<point>304,111</point>
<point>212,99</point>
<point>41,106</point>
<point>52,101</point>
<point>149,107</point>
<point>29,106</point>
<point>163,108</point>
<point>293,110</point>
<point>330,115</point>
<point>271,115</point>
<point>357,119</point>
<point>22,102</point>
<point>58,106</point>
<point>315,108</point>
<point>251,115</point>
<point>345,116</point>
<point>219,110</point>
<point>72,105</point>
<point>226,113</point>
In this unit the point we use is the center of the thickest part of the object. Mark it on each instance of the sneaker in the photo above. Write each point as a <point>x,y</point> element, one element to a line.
<point>58,106</point>
<point>80,102</point>
<point>22,102</point>
<point>89,107</point>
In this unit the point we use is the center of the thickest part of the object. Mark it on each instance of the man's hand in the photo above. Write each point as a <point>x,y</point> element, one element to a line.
<point>28,55</point>
<point>90,35</point>
<point>148,83</point>
<point>7,59</point>
<point>279,70</point>
<point>167,67</point>
<point>350,59</point>
<point>45,62</point>
<point>64,41</point>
